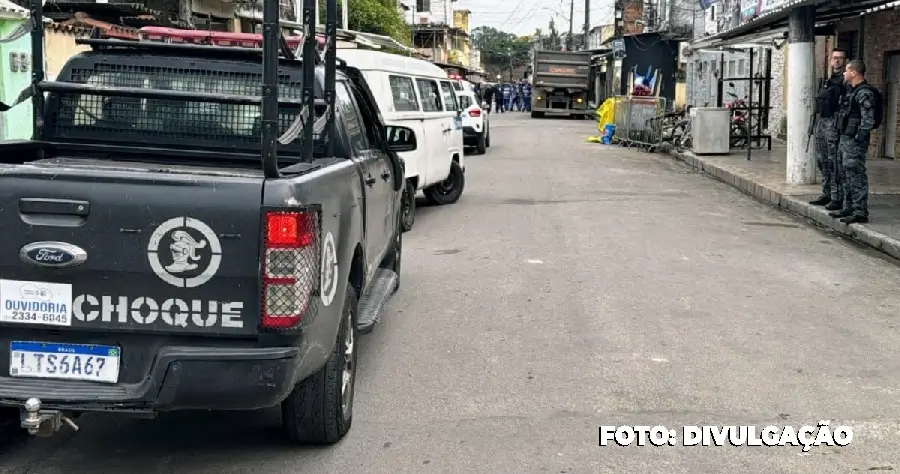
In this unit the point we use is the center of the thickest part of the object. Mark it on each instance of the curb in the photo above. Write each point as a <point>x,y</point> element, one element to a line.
<point>858,232</point>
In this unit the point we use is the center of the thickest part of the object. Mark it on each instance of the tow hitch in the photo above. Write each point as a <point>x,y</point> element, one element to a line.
<point>43,423</point>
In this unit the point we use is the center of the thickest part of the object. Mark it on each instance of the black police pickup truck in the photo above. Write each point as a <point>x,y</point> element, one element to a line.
<point>188,230</point>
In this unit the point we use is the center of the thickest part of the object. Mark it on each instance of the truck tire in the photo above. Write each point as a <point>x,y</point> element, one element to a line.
<point>481,145</point>
<point>449,190</point>
<point>320,409</point>
<point>408,206</point>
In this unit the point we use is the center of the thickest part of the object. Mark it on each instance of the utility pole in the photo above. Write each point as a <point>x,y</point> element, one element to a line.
<point>571,19</point>
<point>587,23</point>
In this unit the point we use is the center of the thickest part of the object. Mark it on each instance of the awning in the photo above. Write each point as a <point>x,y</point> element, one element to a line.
<point>466,69</point>
<point>375,40</point>
<point>774,22</point>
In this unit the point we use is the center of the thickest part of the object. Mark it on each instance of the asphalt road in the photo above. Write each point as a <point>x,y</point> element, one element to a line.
<point>575,286</point>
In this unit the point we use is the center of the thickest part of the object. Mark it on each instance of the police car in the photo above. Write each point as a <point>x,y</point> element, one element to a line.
<point>475,122</point>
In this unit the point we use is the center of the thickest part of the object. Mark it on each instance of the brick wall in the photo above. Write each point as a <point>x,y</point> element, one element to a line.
<point>882,37</point>
<point>632,14</point>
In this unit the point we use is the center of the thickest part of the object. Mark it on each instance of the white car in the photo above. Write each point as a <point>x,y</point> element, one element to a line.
<point>476,124</point>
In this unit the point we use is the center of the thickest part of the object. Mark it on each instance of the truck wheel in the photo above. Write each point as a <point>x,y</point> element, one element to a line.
<point>408,206</point>
<point>320,409</point>
<point>449,190</point>
<point>481,145</point>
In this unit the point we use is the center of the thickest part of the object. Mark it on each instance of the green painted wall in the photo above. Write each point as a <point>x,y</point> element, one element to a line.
<point>16,124</point>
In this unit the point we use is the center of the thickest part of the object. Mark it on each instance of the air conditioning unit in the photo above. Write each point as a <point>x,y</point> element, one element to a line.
<point>424,18</point>
<point>684,52</point>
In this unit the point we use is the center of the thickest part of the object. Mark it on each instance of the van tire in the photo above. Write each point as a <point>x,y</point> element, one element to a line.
<point>487,139</point>
<point>450,190</point>
<point>408,206</point>
<point>313,414</point>
<point>481,145</point>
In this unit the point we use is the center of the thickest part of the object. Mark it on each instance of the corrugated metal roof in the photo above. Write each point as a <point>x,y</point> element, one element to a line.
<point>9,9</point>
<point>776,19</point>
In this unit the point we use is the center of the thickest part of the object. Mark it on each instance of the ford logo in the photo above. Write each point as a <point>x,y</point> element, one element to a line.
<point>53,254</point>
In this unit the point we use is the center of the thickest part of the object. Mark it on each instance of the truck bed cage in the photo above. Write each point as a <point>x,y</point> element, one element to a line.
<point>274,49</point>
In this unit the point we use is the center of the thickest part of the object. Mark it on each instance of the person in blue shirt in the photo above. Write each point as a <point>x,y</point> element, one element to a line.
<point>507,96</point>
<point>526,95</point>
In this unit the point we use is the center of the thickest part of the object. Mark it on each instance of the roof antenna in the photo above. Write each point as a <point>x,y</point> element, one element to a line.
<point>330,72</point>
<point>310,60</point>
<point>271,43</point>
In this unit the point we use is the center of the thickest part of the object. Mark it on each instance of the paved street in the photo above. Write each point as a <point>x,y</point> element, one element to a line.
<point>576,285</point>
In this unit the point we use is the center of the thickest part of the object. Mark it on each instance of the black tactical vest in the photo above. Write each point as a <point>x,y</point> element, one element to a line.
<point>851,112</point>
<point>829,96</point>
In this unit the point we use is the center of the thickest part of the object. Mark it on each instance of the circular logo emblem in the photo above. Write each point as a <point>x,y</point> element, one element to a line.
<point>184,252</point>
<point>329,271</point>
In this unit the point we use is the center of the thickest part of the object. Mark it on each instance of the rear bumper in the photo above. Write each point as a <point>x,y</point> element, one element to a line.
<point>561,111</point>
<point>470,134</point>
<point>181,378</point>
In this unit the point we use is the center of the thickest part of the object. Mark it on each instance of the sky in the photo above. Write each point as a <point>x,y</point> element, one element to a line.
<point>522,17</point>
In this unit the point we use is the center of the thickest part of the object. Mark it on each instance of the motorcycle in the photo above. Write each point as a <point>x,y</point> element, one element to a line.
<point>740,131</point>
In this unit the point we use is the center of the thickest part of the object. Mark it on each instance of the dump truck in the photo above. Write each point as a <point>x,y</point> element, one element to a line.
<point>560,83</point>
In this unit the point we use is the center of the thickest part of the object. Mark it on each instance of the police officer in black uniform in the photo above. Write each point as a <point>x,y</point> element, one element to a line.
<point>855,123</point>
<point>827,158</point>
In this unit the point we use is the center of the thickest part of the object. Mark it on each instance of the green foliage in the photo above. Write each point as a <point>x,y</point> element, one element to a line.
<point>380,17</point>
<point>499,48</point>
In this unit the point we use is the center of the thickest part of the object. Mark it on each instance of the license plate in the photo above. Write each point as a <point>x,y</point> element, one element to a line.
<point>49,360</point>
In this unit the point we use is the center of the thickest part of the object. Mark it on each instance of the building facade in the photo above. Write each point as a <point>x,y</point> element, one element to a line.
<point>706,66</point>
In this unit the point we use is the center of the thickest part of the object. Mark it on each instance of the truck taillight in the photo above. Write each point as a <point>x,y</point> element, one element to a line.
<point>290,267</point>
<point>474,113</point>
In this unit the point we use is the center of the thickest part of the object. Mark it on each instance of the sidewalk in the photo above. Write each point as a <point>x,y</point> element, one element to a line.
<point>763,178</point>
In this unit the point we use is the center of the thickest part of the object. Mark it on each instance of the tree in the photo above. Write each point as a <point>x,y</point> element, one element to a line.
<point>500,49</point>
<point>380,17</point>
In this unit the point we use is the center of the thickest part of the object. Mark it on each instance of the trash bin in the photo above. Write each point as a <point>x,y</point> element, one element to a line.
<point>608,131</point>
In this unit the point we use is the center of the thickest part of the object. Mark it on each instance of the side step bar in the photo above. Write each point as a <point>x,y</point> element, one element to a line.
<point>373,301</point>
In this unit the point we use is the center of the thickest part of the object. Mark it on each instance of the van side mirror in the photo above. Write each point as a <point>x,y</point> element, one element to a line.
<point>400,139</point>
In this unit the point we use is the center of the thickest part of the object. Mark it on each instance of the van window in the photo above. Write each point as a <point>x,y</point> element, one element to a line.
<point>457,85</point>
<point>431,95</point>
<point>464,101</point>
<point>404,94</point>
<point>450,103</point>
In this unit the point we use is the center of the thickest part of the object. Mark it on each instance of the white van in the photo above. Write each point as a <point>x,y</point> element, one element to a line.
<point>417,94</point>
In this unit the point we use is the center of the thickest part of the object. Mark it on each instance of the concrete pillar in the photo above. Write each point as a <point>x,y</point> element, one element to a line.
<point>801,163</point>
